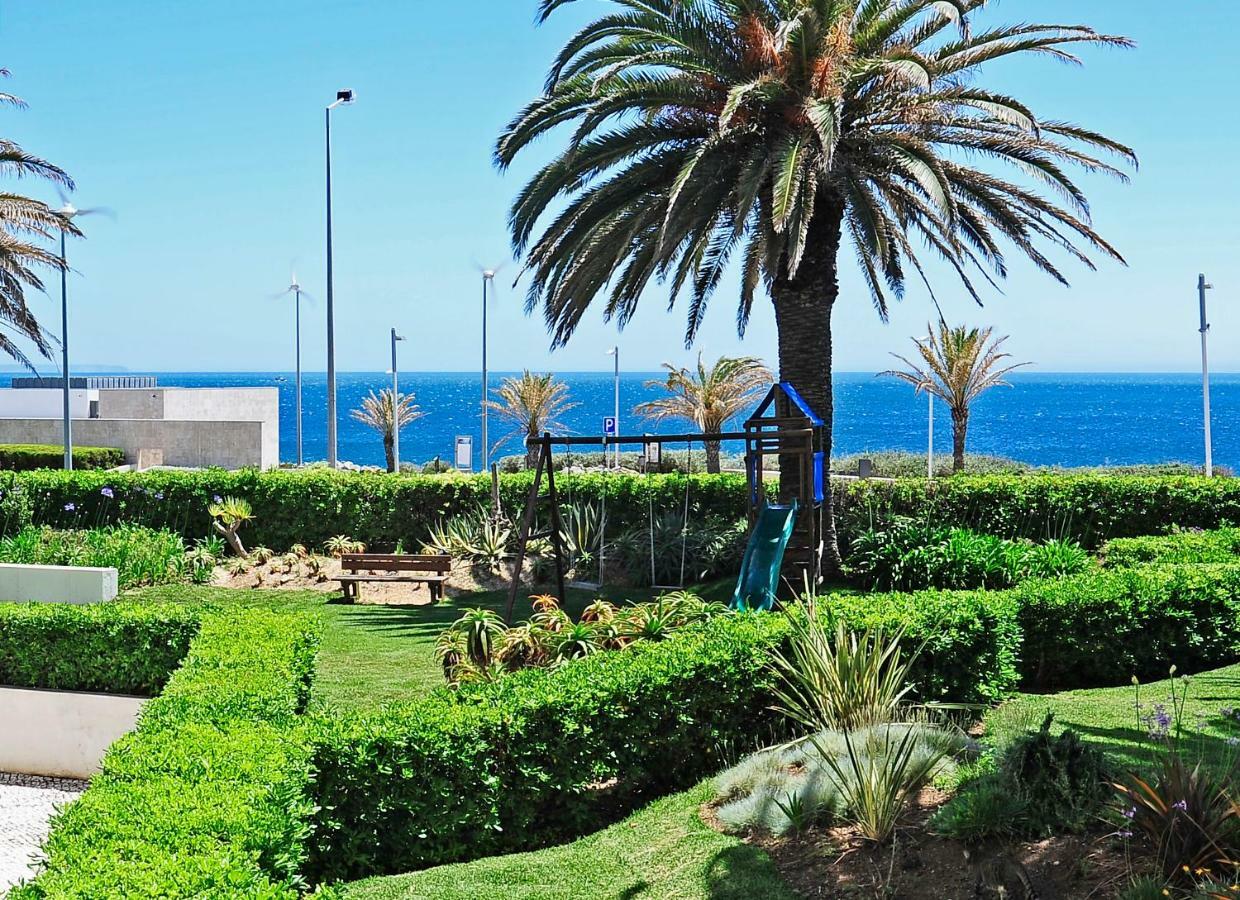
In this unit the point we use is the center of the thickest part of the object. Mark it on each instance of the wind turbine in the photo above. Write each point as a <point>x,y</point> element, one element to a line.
<point>488,281</point>
<point>296,290</point>
<point>68,212</point>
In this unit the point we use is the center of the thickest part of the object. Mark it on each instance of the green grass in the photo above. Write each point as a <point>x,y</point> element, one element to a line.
<point>376,654</point>
<point>663,851</point>
<point>1108,716</point>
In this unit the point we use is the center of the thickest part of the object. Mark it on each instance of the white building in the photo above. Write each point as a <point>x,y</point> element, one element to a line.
<point>191,427</point>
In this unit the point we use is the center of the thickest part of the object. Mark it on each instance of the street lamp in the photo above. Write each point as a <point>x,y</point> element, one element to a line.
<point>342,98</point>
<point>295,289</point>
<point>615,351</point>
<point>488,279</point>
<point>1202,287</point>
<point>68,212</point>
<point>395,405</point>
<point>927,387</point>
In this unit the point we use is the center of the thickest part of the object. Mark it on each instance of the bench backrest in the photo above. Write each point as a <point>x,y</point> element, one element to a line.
<point>396,562</point>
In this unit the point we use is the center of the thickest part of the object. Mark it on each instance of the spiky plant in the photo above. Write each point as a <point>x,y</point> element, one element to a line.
<point>228,515</point>
<point>25,225</point>
<point>708,398</point>
<point>482,629</point>
<point>532,404</point>
<point>377,412</point>
<point>957,365</point>
<point>768,132</point>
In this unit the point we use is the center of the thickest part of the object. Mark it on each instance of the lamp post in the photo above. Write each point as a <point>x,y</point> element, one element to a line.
<point>930,440</point>
<point>488,278</point>
<point>342,97</point>
<point>1202,287</point>
<point>295,289</point>
<point>395,405</point>
<point>615,351</point>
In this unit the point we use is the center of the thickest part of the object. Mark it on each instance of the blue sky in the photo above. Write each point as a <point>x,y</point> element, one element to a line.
<point>201,124</point>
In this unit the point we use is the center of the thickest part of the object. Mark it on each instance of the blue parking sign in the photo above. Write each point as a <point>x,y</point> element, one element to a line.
<point>609,426</point>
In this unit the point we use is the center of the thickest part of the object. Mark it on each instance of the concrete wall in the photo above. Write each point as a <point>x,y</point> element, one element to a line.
<point>44,403</point>
<point>61,734</point>
<point>230,445</point>
<point>230,405</point>
<point>135,404</point>
<point>56,584</point>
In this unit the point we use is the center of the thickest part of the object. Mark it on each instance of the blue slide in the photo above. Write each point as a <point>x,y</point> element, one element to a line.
<point>759,578</point>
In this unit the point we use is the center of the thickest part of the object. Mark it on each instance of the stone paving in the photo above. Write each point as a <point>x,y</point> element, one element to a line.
<point>26,804</point>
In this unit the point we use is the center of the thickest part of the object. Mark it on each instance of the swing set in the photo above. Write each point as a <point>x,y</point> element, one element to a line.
<point>787,531</point>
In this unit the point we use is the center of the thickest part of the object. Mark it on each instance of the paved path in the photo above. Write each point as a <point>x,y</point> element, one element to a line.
<point>26,804</point>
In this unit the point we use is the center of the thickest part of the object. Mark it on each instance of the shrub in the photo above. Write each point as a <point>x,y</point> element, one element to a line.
<point>1061,780</point>
<point>1103,627</point>
<point>537,756</point>
<point>969,640</point>
<point>119,648</point>
<point>139,555</point>
<point>984,808</point>
<point>1219,546</point>
<point>206,797</point>
<point>25,457</point>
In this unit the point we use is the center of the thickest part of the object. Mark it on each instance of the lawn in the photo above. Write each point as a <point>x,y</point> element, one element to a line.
<point>663,851</point>
<point>376,654</point>
<point>1108,716</point>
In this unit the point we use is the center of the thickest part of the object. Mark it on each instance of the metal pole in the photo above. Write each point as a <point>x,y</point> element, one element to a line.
<point>930,442</point>
<point>617,409</point>
<point>486,454</point>
<point>300,461</point>
<point>1202,287</point>
<point>331,320</point>
<point>64,350</point>
<point>395,408</point>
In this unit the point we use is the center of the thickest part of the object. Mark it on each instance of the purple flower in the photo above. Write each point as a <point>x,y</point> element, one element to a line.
<point>1124,834</point>
<point>217,499</point>
<point>159,495</point>
<point>70,507</point>
<point>1180,805</point>
<point>107,492</point>
<point>1130,813</point>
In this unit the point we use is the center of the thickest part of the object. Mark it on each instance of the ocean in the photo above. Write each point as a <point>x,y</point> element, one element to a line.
<point>1043,419</point>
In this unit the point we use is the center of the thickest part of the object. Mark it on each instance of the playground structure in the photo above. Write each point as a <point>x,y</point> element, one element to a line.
<point>785,535</point>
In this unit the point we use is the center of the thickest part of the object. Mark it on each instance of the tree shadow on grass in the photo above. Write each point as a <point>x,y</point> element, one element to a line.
<point>742,872</point>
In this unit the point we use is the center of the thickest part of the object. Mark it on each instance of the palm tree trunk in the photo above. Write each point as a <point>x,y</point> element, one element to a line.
<point>531,455</point>
<point>960,431</point>
<point>389,450</point>
<point>712,457</point>
<point>803,322</point>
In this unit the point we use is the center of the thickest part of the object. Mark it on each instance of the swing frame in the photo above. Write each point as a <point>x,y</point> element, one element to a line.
<point>794,433</point>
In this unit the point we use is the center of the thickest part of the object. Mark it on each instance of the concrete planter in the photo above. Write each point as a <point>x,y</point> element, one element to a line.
<point>61,734</point>
<point>57,584</point>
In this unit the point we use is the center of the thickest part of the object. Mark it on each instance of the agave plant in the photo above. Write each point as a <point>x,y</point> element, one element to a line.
<point>262,555</point>
<point>544,603</point>
<point>552,620</point>
<point>523,646</point>
<point>339,545</point>
<point>599,612</point>
<point>238,565</point>
<point>648,622</point>
<point>575,641</point>
<point>450,652</point>
<point>481,628</point>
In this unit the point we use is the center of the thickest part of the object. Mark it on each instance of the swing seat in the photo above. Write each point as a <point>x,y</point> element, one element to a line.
<point>758,582</point>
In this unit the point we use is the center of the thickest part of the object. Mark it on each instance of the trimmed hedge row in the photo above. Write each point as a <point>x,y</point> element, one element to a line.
<point>1102,628</point>
<point>27,457</point>
<point>206,797</point>
<point>309,506</point>
<point>118,648</point>
<point>541,756</point>
<point>1219,546</point>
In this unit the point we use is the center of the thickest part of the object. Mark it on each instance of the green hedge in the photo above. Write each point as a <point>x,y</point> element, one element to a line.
<point>539,756</point>
<point>1219,546</point>
<point>206,797</point>
<point>25,457</point>
<point>1103,628</point>
<point>119,648</point>
<point>309,506</point>
<point>970,639</point>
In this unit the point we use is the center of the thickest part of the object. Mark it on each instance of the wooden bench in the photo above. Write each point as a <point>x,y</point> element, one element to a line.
<point>429,569</point>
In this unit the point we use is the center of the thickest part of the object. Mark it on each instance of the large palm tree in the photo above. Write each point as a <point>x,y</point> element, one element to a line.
<point>708,398</point>
<point>770,131</point>
<point>532,404</point>
<point>25,224</point>
<point>958,365</point>
<point>377,412</point>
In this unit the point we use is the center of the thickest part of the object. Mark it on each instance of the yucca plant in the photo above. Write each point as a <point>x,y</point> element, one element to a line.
<point>227,517</point>
<point>770,133</point>
<point>834,678</point>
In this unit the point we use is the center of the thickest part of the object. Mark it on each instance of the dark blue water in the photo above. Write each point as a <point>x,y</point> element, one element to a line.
<point>1045,419</point>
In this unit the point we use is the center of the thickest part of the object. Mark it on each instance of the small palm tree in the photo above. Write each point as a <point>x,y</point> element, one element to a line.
<point>24,222</point>
<point>533,404</point>
<point>709,398</point>
<point>958,366</point>
<point>376,412</point>
<point>228,514</point>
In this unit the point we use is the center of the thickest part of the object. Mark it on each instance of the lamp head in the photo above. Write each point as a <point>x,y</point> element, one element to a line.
<point>342,98</point>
